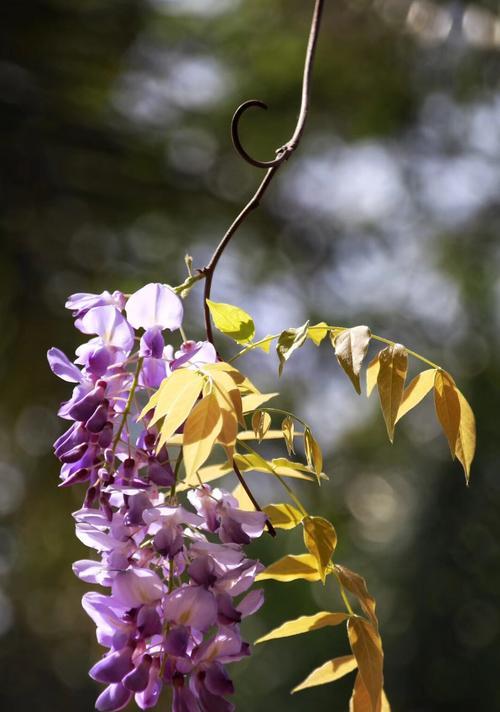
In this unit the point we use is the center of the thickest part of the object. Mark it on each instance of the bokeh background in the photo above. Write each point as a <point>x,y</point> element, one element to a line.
<point>116,161</point>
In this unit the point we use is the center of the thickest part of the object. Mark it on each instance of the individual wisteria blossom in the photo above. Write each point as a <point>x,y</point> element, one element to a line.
<point>176,575</point>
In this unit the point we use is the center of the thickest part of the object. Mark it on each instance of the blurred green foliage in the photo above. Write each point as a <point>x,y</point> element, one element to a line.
<point>115,161</point>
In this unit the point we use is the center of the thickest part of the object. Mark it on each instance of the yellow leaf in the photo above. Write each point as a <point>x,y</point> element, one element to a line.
<point>253,461</point>
<point>206,474</point>
<point>350,347</point>
<point>356,585</point>
<point>328,672</point>
<point>270,435</point>
<point>255,400</point>
<point>313,452</point>
<point>261,423</point>
<point>304,624</point>
<point>289,341</point>
<point>466,440</point>
<point>372,375</point>
<point>416,391</point>
<point>266,343</point>
<point>169,388</point>
<point>243,383</point>
<point>200,432</point>
<point>228,395</point>
<point>288,429</point>
<point>244,501</point>
<point>360,700</point>
<point>318,332</point>
<point>180,408</point>
<point>283,516</point>
<point>232,321</point>
<point>391,381</point>
<point>291,568</point>
<point>447,407</point>
<point>367,648</point>
<point>320,539</point>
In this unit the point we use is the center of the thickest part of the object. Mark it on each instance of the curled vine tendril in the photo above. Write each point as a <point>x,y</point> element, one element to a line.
<point>282,154</point>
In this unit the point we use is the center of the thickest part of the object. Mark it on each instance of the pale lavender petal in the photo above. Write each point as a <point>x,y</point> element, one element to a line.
<point>155,305</point>
<point>152,343</point>
<point>193,606</point>
<point>108,323</point>
<point>149,697</point>
<point>137,586</point>
<point>61,365</point>
<point>251,602</point>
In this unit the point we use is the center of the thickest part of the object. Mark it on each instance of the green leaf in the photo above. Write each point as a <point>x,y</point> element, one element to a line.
<point>289,341</point>
<point>320,539</point>
<point>291,568</point>
<point>283,516</point>
<point>232,321</point>
<point>304,624</point>
<point>350,347</point>
<point>328,672</point>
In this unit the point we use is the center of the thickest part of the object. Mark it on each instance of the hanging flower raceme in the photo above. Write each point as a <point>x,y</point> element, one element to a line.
<point>178,576</point>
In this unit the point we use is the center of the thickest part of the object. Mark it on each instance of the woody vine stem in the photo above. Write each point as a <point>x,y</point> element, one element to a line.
<point>282,155</point>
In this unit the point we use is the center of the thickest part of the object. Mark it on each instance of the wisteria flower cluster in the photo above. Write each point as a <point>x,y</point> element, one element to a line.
<point>178,575</point>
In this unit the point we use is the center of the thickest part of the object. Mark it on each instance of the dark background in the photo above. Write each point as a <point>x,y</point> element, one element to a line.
<point>116,160</point>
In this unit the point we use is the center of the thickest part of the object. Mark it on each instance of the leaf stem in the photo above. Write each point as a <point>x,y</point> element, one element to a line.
<point>128,404</point>
<point>272,337</point>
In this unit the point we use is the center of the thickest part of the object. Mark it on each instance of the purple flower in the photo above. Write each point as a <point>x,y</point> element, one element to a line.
<point>155,305</point>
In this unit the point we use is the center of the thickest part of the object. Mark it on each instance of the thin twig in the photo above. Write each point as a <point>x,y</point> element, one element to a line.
<point>283,154</point>
<point>248,491</point>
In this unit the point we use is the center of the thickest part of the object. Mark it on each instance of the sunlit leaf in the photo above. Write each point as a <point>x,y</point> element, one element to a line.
<point>291,568</point>
<point>361,702</point>
<point>169,388</point>
<point>280,466</point>
<point>391,381</point>
<point>317,332</point>
<point>416,391</point>
<point>243,383</point>
<point>283,516</point>
<point>466,440</point>
<point>180,407</point>
<point>206,474</point>
<point>320,539</point>
<point>255,400</point>
<point>289,341</point>
<point>372,374</point>
<point>261,423</point>
<point>232,321</point>
<point>366,646</point>
<point>328,672</point>
<point>313,452</point>
<point>447,407</point>
<point>288,468</point>
<point>288,428</point>
<point>244,501</point>
<point>227,393</point>
<point>304,624</point>
<point>270,435</point>
<point>266,344</point>
<point>356,585</point>
<point>350,347</point>
<point>200,433</point>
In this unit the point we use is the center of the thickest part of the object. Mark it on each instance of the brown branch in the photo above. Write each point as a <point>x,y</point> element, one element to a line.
<point>248,491</point>
<point>283,154</point>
